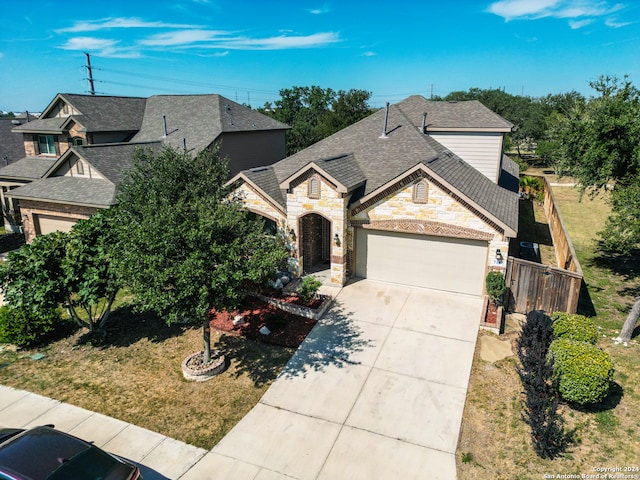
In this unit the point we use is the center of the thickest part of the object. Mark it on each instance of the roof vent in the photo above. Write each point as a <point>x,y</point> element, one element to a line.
<point>258,169</point>
<point>424,122</point>
<point>335,157</point>
<point>386,119</point>
<point>15,121</point>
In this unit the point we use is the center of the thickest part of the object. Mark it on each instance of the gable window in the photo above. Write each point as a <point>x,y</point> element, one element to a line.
<point>46,144</point>
<point>77,141</point>
<point>313,187</point>
<point>79,167</point>
<point>421,192</point>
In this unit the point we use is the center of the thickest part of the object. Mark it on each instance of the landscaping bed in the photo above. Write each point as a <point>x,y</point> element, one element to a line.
<point>287,329</point>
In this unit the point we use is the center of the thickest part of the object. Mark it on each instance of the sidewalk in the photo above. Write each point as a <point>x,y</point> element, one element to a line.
<point>163,458</point>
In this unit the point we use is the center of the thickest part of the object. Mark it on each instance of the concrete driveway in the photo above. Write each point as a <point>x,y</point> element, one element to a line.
<point>376,391</point>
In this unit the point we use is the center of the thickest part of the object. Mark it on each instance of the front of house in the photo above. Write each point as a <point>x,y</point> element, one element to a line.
<point>417,194</point>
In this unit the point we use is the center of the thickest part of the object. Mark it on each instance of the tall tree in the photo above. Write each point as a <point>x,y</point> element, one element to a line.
<point>315,113</point>
<point>598,143</point>
<point>184,245</point>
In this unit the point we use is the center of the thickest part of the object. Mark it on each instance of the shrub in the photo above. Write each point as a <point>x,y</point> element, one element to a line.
<point>541,397</point>
<point>24,327</point>
<point>308,288</point>
<point>496,287</point>
<point>584,372</point>
<point>574,327</point>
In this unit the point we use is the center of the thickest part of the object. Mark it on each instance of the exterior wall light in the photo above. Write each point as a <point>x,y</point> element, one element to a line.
<point>499,256</point>
<point>336,240</point>
<point>293,235</point>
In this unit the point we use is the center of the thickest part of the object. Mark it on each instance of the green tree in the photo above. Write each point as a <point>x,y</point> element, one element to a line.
<point>597,143</point>
<point>315,113</point>
<point>184,245</point>
<point>74,270</point>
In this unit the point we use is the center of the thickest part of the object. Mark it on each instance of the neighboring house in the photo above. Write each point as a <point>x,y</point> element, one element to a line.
<point>418,194</point>
<point>79,149</point>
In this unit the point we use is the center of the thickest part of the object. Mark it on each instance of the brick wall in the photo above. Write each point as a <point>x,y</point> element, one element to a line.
<point>30,208</point>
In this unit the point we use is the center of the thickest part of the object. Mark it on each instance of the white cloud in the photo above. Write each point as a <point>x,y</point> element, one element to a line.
<point>121,22</point>
<point>182,37</point>
<point>576,24</point>
<point>369,54</point>
<point>578,12</point>
<point>88,43</point>
<point>100,47</point>
<point>613,23</point>
<point>283,42</point>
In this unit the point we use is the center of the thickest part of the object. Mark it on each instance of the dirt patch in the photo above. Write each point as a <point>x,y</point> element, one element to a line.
<point>287,329</point>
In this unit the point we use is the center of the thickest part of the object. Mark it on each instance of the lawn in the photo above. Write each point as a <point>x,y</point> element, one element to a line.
<point>134,374</point>
<point>494,440</point>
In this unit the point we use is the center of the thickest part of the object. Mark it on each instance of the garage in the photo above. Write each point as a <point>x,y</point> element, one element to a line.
<point>451,264</point>
<point>50,223</point>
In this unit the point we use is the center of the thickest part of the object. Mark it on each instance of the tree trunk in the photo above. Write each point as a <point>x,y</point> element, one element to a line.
<point>630,322</point>
<point>206,337</point>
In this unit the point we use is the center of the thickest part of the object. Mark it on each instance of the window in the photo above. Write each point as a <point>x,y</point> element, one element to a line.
<point>46,144</point>
<point>313,187</point>
<point>79,167</point>
<point>421,192</point>
<point>77,141</point>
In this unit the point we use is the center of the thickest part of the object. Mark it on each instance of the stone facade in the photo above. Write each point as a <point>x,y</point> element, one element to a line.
<point>442,214</point>
<point>30,208</point>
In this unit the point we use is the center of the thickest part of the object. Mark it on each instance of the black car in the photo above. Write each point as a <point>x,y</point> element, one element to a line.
<point>43,453</point>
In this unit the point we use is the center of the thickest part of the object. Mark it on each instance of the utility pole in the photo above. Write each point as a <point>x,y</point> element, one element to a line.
<point>92,89</point>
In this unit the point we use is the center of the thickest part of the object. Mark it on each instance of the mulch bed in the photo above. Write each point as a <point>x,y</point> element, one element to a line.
<point>287,329</point>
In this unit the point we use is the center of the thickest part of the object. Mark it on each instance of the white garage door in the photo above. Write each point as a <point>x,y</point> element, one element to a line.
<point>452,264</point>
<point>49,223</point>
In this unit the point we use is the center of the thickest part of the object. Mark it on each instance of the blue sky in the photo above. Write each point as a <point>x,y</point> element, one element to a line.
<point>249,50</point>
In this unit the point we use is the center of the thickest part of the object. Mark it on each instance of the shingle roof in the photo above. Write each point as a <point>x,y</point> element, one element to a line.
<point>198,119</point>
<point>360,150</point>
<point>266,179</point>
<point>11,143</point>
<point>112,160</point>
<point>68,190</point>
<point>28,168</point>
<point>97,114</point>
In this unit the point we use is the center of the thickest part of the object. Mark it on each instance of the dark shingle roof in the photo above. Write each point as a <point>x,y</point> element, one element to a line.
<point>11,143</point>
<point>97,114</point>
<point>359,151</point>
<point>452,115</point>
<point>199,119</point>
<point>112,160</point>
<point>266,179</point>
<point>28,168</point>
<point>70,190</point>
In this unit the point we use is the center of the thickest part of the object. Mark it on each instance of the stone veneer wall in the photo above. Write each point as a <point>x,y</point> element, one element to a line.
<point>441,208</point>
<point>333,206</point>
<point>29,208</point>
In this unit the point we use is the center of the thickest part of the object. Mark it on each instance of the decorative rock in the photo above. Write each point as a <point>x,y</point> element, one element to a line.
<point>265,331</point>
<point>278,284</point>
<point>238,320</point>
<point>285,280</point>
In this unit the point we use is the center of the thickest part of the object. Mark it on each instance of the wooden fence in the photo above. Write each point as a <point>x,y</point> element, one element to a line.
<point>533,286</point>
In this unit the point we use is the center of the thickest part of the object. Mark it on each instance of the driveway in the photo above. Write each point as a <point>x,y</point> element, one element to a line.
<point>376,391</point>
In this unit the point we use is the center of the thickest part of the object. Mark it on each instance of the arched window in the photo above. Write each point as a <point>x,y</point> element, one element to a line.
<point>79,167</point>
<point>78,140</point>
<point>314,187</point>
<point>421,192</point>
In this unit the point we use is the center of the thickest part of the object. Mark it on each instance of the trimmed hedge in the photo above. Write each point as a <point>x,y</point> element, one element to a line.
<point>496,287</point>
<point>24,328</point>
<point>574,327</point>
<point>584,372</point>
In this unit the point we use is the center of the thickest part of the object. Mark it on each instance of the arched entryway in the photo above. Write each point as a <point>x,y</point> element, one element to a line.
<point>315,242</point>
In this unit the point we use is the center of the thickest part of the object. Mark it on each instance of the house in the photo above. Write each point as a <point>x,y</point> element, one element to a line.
<point>419,194</point>
<point>79,149</point>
